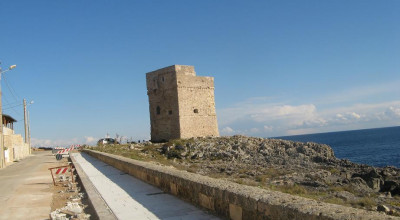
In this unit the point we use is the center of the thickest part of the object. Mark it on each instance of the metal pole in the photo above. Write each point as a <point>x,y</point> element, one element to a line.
<point>51,171</point>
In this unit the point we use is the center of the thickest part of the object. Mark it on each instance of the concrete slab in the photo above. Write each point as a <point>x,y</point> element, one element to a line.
<point>130,198</point>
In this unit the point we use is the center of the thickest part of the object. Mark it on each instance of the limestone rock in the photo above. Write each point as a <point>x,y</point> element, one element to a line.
<point>382,208</point>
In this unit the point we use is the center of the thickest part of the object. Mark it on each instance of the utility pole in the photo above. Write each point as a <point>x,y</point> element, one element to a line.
<point>2,151</point>
<point>2,158</point>
<point>29,135</point>
<point>25,122</point>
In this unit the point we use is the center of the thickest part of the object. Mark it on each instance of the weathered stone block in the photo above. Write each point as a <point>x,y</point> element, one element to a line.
<point>174,189</point>
<point>235,212</point>
<point>206,201</point>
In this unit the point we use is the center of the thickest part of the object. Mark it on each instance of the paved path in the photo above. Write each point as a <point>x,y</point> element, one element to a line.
<point>130,198</point>
<point>25,188</point>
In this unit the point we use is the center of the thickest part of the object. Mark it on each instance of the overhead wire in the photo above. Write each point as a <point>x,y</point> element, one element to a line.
<point>8,103</point>
<point>11,103</point>
<point>11,89</point>
<point>10,107</point>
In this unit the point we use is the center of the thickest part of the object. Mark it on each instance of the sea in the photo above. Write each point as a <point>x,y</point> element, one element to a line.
<point>378,147</point>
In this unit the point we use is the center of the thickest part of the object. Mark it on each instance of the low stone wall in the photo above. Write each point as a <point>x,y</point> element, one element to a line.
<point>17,149</point>
<point>232,200</point>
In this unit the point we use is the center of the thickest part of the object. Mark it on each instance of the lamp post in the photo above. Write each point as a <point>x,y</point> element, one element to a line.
<point>2,151</point>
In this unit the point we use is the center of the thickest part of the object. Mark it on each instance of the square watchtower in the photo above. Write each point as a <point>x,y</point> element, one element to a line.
<point>181,104</point>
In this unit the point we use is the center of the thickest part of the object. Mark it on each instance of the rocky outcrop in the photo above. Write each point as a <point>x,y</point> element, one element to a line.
<point>316,160</point>
<point>281,162</point>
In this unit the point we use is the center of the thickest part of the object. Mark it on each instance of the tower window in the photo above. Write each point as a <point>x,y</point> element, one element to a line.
<point>196,110</point>
<point>162,78</point>
<point>170,112</point>
<point>158,110</point>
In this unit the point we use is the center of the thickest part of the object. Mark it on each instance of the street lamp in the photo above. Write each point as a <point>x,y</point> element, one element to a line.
<point>9,68</point>
<point>2,151</point>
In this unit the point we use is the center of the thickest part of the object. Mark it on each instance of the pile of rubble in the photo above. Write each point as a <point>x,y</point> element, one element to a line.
<point>74,207</point>
<point>73,210</point>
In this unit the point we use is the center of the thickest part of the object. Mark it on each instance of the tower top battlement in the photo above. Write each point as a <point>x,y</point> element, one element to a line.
<point>177,69</point>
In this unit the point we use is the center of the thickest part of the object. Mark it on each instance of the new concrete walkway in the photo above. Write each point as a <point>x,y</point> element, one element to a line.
<point>130,198</point>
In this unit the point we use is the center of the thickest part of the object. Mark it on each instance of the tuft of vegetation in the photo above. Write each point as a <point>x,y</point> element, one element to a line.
<point>294,189</point>
<point>334,171</point>
<point>180,142</point>
<point>193,168</point>
<point>364,202</point>
<point>343,188</point>
<point>335,200</point>
<point>273,173</point>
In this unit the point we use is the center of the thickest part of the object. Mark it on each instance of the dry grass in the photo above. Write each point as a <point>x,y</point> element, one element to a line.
<point>364,202</point>
<point>147,153</point>
<point>293,189</point>
<point>343,188</point>
<point>193,168</point>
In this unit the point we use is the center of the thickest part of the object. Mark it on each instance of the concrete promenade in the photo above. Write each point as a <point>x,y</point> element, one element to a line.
<point>130,198</point>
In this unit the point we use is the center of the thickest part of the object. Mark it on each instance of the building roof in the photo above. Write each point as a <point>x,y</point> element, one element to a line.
<point>9,118</point>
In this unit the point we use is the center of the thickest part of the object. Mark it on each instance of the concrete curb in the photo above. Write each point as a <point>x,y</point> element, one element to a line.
<point>96,201</point>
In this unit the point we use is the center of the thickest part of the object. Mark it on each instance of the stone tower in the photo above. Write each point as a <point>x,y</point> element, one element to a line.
<point>181,104</point>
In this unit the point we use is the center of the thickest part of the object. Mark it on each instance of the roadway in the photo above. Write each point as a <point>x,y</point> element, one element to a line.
<point>25,187</point>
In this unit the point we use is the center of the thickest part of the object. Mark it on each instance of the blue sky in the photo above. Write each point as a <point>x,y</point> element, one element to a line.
<point>280,67</point>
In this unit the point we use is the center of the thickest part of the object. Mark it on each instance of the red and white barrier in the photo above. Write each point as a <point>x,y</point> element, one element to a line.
<point>61,170</point>
<point>65,151</point>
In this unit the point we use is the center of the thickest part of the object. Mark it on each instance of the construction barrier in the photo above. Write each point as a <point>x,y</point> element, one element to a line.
<point>59,150</point>
<point>62,170</point>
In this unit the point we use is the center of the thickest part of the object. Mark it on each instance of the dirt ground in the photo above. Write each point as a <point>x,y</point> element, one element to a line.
<point>66,191</point>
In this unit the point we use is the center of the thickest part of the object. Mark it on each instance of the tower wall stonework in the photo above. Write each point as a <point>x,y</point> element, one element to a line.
<point>181,104</point>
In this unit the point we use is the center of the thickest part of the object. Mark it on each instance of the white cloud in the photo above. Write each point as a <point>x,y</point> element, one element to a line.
<point>276,119</point>
<point>268,128</point>
<point>227,130</point>
<point>254,130</point>
<point>91,140</point>
<point>284,111</point>
<point>355,115</point>
<point>36,142</point>
<point>51,143</point>
<point>362,92</point>
<point>393,112</point>
<point>346,117</point>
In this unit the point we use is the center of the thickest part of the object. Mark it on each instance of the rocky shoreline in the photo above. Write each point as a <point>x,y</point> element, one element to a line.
<point>306,169</point>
